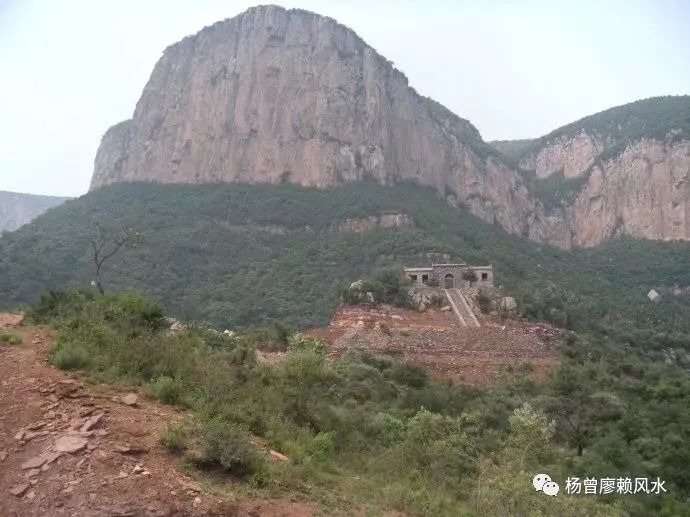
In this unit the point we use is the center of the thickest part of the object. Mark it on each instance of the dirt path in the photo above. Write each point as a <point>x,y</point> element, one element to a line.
<point>70,449</point>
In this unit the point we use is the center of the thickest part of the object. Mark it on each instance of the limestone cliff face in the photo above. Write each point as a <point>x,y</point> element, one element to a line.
<point>622,171</point>
<point>643,192</point>
<point>573,155</point>
<point>275,95</point>
<point>16,210</point>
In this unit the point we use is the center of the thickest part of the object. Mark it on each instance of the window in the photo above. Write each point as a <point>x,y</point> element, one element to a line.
<point>485,276</point>
<point>413,277</point>
<point>425,279</point>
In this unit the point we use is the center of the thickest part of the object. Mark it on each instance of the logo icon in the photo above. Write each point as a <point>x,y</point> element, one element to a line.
<point>543,483</point>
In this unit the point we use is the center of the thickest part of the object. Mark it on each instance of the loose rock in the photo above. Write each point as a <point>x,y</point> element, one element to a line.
<point>129,399</point>
<point>131,449</point>
<point>34,463</point>
<point>91,422</point>
<point>275,455</point>
<point>18,490</point>
<point>70,444</point>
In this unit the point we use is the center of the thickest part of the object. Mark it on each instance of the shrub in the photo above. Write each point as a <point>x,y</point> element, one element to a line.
<point>227,444</point>
<point>411,375</point>
<point>70,356</point>
<point>385,428</point>
<point>174,438</point>
<point>56,305</point>
<point>484,302</point>
<point>10,339</point>
<point>438,445</point>
<point>322,445</point>
<point>388,286</point>
<point>166,389</point>
<point>304,343</point>
<point>469,275</point>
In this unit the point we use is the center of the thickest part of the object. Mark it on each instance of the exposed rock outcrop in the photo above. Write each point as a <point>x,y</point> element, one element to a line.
<point>644,192</point>
<point>627,169</point>
<point>275,95</point>
<point>367,224</point>
<point>18,209</point>
<point>572,155</point>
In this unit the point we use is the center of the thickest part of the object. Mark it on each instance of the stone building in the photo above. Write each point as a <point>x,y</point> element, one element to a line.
<point>449,276</point>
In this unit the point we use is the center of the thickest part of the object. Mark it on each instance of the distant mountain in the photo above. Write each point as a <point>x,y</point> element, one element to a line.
<point>18,209</point>
<point>625,170</point>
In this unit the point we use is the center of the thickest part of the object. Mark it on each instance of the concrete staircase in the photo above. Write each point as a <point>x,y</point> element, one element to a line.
<point>461,308</point>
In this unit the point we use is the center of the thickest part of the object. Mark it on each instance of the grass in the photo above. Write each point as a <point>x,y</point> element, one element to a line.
<point>10,338</point>
<point>366,434</point>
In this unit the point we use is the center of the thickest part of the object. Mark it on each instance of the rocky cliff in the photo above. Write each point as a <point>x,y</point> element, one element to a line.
<point>628,169</point>
<point>277,95</point>
<point>289,96</point>
<point>644,192</point>
<point>16,210</point>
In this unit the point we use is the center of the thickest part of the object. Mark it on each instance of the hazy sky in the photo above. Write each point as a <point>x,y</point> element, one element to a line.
<point>69,69</point>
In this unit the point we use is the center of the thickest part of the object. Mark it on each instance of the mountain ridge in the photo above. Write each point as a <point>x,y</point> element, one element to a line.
<point>18,209</point>
<point>275,96</point>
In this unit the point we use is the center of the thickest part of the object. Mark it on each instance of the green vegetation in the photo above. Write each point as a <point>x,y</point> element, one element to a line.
<point>10,338</point>
<point>211,253</point>
<point>512,149</point>
<point>657,117</point>
<point>462,129</point>
<point>556,191</point>
<point>388,286</point>
<point>662,118</point>
<point>363,433</point>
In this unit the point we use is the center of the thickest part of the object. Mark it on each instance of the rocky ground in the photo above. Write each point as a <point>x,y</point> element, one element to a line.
<point>433,339</point>
<point>73,449</point>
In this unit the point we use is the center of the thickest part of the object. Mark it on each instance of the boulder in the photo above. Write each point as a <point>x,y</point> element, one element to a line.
<point>130,399</point>
<point>508,304</point>
<point>275,455</point>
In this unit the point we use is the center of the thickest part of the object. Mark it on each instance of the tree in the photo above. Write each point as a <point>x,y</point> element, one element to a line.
<point>530,430</point>
<point>105,247</point>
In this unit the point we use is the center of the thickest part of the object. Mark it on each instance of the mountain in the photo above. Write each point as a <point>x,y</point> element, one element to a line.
<point>276,96</point>
<point>238,254</point>
<point>18,209</point>
<point>624,170</point>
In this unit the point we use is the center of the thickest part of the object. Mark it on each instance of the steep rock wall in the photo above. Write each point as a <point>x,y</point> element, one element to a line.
<point>275,95</point>
<point>643,192</point>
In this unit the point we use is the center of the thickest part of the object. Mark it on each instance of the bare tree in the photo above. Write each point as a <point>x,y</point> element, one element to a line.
<point>105,247</point>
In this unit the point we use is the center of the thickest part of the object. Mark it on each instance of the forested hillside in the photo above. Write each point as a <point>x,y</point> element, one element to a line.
<point>18,209</point>
<point>252,254</point>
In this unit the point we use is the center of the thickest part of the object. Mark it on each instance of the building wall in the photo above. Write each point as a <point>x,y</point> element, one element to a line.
<point>438,272</point>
